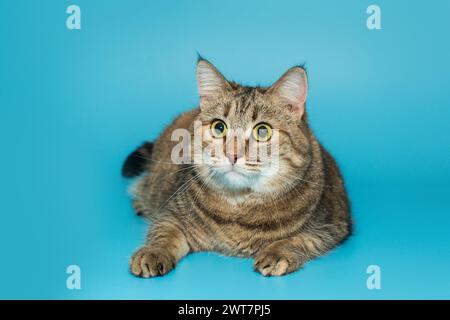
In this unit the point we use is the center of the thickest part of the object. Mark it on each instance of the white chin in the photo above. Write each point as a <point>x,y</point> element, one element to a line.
<point>235,180</point>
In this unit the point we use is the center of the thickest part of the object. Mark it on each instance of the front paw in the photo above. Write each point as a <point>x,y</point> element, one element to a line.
<point>148,262</point>
<point>275,264</point>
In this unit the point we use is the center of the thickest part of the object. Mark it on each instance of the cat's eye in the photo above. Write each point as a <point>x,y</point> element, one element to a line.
<point>262,132</point>
<point>218,129</point>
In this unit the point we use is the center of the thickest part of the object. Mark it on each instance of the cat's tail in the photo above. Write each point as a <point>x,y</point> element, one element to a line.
<point>136,162</point>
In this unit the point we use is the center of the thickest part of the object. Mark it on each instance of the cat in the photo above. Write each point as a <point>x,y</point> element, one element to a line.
<point>281,218</point>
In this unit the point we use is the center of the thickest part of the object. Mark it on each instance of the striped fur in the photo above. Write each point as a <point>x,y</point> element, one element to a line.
<point>305,213</point>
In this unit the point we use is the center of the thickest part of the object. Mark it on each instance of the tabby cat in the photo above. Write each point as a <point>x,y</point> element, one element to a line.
<point>280,217</point>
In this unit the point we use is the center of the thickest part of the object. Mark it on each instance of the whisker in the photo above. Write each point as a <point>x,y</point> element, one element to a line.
<point>163,162</point>
<point>186,185</point>
<point>312,182</point>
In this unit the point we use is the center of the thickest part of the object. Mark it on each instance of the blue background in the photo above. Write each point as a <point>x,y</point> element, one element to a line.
<point>73,104</point>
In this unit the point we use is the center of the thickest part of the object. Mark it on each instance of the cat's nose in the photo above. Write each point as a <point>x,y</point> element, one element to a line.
<point>232,157</point>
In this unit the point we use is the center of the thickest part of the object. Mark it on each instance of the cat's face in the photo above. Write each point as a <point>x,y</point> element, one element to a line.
<point>252,137</point>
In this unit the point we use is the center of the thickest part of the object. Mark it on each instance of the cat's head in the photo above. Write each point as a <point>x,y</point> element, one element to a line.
<point>254,138</point>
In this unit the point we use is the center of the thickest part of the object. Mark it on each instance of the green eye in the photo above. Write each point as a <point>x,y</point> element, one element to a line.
<point>218,129</point>
<point>262,132</point>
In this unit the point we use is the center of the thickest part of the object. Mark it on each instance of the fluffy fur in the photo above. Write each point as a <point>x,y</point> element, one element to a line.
<point>281,218</point>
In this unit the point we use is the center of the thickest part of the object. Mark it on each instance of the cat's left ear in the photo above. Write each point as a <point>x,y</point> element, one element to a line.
<point>291,91</point>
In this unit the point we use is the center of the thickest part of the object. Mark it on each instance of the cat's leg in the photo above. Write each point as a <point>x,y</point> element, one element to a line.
<point>165,246</point>
<point>288,255</point>
<point>137,190</point>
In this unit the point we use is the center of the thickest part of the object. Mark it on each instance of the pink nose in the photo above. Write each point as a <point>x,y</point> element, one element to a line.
<point>232,157</point>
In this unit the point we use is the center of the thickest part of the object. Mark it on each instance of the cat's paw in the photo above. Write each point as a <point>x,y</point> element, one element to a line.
<point>148,262</point>
<point>275,264</point>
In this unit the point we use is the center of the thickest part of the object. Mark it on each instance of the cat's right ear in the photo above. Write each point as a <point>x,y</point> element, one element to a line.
<point>211,83</point>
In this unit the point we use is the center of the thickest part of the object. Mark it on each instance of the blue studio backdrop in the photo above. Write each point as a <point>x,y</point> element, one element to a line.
<point>74,103</point>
